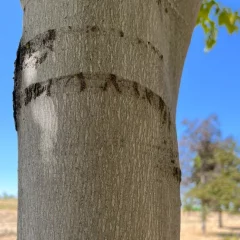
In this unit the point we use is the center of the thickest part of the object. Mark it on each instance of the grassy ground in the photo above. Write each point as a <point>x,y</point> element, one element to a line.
<point>190,226</point>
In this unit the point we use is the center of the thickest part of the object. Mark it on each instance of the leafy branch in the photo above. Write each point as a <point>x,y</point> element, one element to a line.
<point>211,16</point>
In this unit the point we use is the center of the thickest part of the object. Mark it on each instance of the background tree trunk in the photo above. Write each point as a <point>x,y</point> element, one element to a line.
<point>203,180</point>
<point>96,85</point>
<point>204,217</point>
<point>220,221</point>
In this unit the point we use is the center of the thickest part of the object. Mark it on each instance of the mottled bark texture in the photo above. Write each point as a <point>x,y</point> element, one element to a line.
<point>96,85</point>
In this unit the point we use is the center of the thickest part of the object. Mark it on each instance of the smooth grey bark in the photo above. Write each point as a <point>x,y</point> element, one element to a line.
<point>96,85</point>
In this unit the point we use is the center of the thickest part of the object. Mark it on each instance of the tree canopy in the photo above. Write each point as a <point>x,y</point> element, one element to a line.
<point>222,189</point>
<point>214,164</point>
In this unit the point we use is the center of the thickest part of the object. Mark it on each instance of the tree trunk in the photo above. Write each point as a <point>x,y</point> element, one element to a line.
<point>96,85</point>
<point>204,217</point>
<point>220,221</point>
<point>203,207</point>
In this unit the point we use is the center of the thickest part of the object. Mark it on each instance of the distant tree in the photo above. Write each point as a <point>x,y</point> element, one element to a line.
<point>223,190</point>
<point>200,138</point>
<point>5,196</point>
<point>190,204</point>
<point>215,168</point>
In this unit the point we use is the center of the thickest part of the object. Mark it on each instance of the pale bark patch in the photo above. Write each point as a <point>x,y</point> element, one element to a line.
<point>47,120</point>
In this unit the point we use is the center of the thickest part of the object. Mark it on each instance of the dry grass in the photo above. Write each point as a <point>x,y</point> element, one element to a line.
<point>190,227</point>
<point>8,204</point>
<point>8,224</point>
<point>8,219</point>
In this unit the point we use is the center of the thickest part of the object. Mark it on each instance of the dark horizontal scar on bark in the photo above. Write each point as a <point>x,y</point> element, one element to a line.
<point>68,80</point>
<point>38,90</point>
<point>164,116</point>
<point>17,83</point>
<point>104,82</point>
<point>149,95</point>
<point>33,91</point>
<point>135,87</point>
<point>43,43</point>
<point>177,174</point>
<point>41,59</point>
<point>112,81</point>
<point>49,37</point>
<point>169,122</point>
<point>165,113</point>
<point>49,87</point>
<point>105,86</point>
<point>161,104</point>
<point>82,81</point>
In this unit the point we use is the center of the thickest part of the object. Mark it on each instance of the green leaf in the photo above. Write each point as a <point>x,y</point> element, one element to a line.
<point>212,16</point>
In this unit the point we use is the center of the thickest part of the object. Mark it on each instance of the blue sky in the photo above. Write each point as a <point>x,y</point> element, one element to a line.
<point>210,84</point>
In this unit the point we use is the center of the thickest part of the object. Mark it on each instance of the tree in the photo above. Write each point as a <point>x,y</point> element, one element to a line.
<point>95,93</point>
<point>223,190</point>
<point>200,139</point>
<point>215,168</point>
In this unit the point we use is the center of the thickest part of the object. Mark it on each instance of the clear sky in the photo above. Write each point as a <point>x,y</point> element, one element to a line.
<point>210,84</point>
